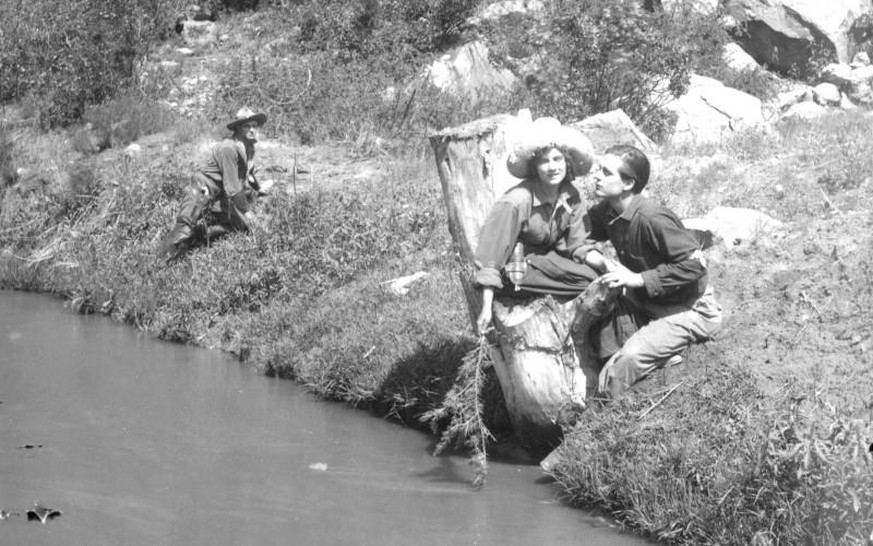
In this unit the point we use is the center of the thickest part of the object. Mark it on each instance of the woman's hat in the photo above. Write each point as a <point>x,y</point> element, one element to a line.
<point>547,133</point>
<point>246,115</point>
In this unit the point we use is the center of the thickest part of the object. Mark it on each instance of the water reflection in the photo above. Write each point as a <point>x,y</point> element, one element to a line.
<point>146,442</point>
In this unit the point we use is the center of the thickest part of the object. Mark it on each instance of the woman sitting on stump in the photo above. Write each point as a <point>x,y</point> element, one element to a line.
<point>534,231</point>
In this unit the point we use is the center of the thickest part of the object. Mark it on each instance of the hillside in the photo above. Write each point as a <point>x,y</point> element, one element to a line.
<point>765,441</point>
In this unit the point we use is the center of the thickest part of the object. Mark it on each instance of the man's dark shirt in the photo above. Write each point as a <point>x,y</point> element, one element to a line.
<point>651,240</point>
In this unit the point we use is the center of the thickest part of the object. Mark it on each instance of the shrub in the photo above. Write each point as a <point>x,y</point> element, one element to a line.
<point>68,55</point>
<point>366,27</point>
<point>593,56</point>
<point>321,96</point>
<point>125,118</point>
<point>582,58</point>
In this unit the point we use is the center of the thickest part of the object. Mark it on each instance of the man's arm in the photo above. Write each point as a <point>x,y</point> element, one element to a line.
<point>228,159</point>
<point>587,251</point>
<point>683,262</point>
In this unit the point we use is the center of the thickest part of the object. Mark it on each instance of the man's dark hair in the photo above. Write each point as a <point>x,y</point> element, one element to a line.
<point>636,165</point>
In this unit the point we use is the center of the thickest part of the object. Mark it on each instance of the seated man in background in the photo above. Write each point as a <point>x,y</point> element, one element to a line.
<point>662,271</point>
<point>223,187</point>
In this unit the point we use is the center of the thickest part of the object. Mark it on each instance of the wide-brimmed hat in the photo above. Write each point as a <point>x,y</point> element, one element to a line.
<point>545,133</point>
<point>245,115</point>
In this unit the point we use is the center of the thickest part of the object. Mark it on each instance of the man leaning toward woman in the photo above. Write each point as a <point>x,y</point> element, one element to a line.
<point>540,238</point>
<point>661,270</point>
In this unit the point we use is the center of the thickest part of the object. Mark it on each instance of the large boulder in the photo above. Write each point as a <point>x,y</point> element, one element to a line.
<point>733,226</point>
<point>710,111</point>
<point>737,58</point>
<point>611,128</point>
<point>807,110</point>
<point>791,36</point>
<point>466,71</point>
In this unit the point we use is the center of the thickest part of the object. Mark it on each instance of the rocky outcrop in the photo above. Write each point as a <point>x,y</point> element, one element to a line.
<point>710,111</point>
<point>737,58</point>
<point>734,226</point>
<point>854,80</point>
<point>611,128</point>
<point>466,71</point>
<point>790,36</point>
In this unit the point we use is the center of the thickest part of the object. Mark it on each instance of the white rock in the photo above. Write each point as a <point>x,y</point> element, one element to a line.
<point>805,110</point>
<point>846,103</point>
<point>784,34</point>
<point>839,74</point>
<point>710,111</point>
<point>615,127</point>
<point>862,74</point>
<point>133,149</point>
<point>186,51</point>
<point>466,70</point>
<point>401,285</point>
<point>735,226</point>
<point>737,58</point>
<point>787,99</point>
<point>861,59</point>
<point>827,94</point>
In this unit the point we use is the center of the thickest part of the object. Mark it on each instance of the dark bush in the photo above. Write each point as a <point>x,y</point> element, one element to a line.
<point>69,55</point>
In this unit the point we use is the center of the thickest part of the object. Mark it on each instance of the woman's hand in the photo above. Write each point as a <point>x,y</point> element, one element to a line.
<point>484,320</point>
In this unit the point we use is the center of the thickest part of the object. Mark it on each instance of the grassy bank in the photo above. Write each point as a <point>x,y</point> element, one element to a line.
<point>765,439</point>
<point>302,299</point>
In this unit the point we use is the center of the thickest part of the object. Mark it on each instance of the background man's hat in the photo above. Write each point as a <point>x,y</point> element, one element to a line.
<point>548,133</point>
<point>245,115</point>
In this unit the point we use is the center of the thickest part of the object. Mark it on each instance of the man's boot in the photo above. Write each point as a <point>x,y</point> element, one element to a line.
<point>176,243</point>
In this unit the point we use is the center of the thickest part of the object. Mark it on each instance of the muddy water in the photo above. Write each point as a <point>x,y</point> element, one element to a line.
<point>142,442</point>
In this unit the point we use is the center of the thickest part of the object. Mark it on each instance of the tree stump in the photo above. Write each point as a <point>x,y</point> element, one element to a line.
<point>542,356</point>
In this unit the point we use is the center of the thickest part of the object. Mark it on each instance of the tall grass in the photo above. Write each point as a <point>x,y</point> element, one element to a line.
<point>789,469</point>
<point>301,299</point>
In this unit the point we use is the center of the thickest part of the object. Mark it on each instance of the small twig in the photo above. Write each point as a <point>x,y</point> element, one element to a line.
<point>828,201</point>
<point>658,403</point>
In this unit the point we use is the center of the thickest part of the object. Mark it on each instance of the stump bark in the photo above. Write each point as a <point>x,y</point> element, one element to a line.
<point>541,354</point>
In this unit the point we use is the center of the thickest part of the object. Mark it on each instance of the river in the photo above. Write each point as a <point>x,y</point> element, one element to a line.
<point>138,441</point>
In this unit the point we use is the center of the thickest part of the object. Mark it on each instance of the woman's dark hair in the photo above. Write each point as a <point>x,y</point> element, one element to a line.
<point>635,165</point>
<point>537,155</point>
